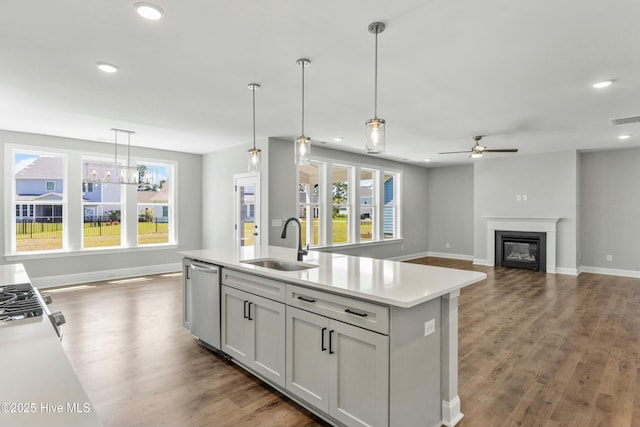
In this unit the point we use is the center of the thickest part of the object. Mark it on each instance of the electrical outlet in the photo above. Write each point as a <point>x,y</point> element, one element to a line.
<point>447,245</point>
<point>519,197</point>
<point>524,197</point>
<point>609,258</point>
<point>429,327</point>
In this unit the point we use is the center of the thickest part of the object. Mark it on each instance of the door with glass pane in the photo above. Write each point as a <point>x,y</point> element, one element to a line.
<point>247,214</point>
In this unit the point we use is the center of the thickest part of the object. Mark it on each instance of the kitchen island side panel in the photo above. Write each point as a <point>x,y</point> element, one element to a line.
<point>415,366</point>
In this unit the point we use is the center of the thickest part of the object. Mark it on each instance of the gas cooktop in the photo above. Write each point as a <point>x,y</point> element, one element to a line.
<point>19,302</point>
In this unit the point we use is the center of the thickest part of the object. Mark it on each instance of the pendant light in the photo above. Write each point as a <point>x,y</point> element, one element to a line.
<point>303,143</point>
<point>375,127</point>
<point>254,153</point>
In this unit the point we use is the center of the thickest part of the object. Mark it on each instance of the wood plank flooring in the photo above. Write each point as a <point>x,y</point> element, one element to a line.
<point>535,349</point>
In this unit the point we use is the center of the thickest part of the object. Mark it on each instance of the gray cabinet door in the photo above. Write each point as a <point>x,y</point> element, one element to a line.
<point>359,373</point>
<point>307,358</point>
<point>236,328</point>
<point>268,342</point>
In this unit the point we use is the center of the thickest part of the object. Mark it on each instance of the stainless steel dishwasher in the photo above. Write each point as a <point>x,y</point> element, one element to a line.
<point>203,302</point>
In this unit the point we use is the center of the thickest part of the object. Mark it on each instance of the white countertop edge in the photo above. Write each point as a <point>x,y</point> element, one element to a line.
<point>294,277</point>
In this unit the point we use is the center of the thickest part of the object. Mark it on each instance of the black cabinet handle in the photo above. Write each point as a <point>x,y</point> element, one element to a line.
<point>348,310</point>
<point>331,341</point>
<point>306,299</point>
<point>249,317</point>
<point>245,315</point>
<point>323,346</point>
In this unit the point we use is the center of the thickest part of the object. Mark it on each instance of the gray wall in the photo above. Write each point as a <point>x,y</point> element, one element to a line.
<point>550,183</point>
<point>218,169</point>
<point>282,199</point>
<point>87,264</point>
<point>450,210</point>
<point>610,209</point>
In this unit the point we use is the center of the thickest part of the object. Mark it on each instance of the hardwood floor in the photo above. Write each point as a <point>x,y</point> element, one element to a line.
<point>535,349</point>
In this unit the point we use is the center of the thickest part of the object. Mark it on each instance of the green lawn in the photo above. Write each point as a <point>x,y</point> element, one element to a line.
<point>340,230</point>
<point>46,237</point>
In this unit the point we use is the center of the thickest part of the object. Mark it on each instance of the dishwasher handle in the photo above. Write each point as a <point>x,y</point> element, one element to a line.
<point>207,269</point>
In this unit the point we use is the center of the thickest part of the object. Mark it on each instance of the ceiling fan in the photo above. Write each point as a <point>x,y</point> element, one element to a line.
<point>478,150</point>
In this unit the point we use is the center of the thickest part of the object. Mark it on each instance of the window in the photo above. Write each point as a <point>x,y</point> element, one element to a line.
<point>347,203</point>
<point>340,218</point>
<point>309,202</point>
<point>390,183</point>
<point>36,184</point>
<point>154,203</point>
<point>39,214</point>
<point>102,213</point>
<point>368,224</point>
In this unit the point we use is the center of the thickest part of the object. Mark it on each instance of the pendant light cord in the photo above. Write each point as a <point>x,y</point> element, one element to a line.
<point>303,65</point>
<point>253,91</point>
<point>375,79</point>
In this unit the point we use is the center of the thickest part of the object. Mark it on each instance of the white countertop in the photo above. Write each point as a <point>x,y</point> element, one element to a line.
<point>392,283</point>
<point>39,385</point>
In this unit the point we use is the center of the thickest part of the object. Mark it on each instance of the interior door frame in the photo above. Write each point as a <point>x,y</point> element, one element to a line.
<point>240,179</point>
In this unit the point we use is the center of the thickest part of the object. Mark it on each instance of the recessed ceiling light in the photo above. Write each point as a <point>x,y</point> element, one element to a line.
<point>149,11</point>
<point>106,67</point>
<point>428,159</point>
<point>602,84</point>
<point>337,139</point>
<point>627,136</point>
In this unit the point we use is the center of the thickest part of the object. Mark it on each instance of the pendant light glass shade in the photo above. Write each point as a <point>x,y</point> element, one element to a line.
<point>303,150</point>
<point>303,143</point>
<point>375,136</point>
<point>254,153</point>
<point>374,128</point>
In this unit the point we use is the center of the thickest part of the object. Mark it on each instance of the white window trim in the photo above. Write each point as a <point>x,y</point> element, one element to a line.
<point>73,211</point>
<point>325,223</point>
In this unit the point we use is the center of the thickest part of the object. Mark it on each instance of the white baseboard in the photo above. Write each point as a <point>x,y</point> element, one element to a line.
<point>451,414</point>
<point>609,271</point>
<point>450,256</point>
<point>482,261</point>
<point>410,256</point>
<point>568,271</point>
<point>94,276</point>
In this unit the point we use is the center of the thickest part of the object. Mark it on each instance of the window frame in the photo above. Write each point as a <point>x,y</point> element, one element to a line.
<point>73,207</point>
<point>325,202</point>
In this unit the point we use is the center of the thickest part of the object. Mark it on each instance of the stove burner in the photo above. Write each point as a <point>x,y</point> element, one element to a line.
<point>19,302</point>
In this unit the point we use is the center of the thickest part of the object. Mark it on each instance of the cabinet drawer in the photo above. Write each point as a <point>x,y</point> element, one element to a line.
<point>256,285</point>
<point>359,313</point>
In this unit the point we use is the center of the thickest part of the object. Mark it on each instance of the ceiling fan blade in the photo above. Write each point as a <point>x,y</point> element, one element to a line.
<point>501,150</point>
<point>455,152</point>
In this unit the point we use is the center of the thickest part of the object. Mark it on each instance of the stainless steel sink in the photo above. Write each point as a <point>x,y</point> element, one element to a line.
<point>278,264</point>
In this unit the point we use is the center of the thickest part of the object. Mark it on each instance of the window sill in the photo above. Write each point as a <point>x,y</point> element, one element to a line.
<point>84,252</point>
<point>356,245</point>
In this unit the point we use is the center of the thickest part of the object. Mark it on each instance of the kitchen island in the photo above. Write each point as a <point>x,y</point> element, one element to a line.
<point>359,341</point>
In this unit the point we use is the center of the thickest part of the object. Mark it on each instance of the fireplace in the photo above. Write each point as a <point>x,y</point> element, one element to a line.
<point>521,249</point>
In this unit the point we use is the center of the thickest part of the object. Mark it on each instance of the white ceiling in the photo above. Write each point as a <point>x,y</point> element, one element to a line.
<point>519,72</point>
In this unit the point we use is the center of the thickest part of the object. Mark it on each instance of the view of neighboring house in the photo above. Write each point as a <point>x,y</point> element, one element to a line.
<point>39,191</point>
<point>153,202</point>
<point>99,199</point>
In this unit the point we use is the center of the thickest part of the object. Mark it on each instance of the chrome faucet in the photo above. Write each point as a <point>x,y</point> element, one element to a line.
<point>301,251</point>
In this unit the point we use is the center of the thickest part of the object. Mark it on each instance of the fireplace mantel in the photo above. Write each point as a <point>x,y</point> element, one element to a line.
<point>539,224</point>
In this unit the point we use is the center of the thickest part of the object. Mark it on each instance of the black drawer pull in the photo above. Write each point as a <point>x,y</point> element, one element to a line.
<point>348,310</point>
<point>307,299</point>
<point>331,341</point>
<point>249,316</point>
<point>245,315</point>
<point>323,345</point>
